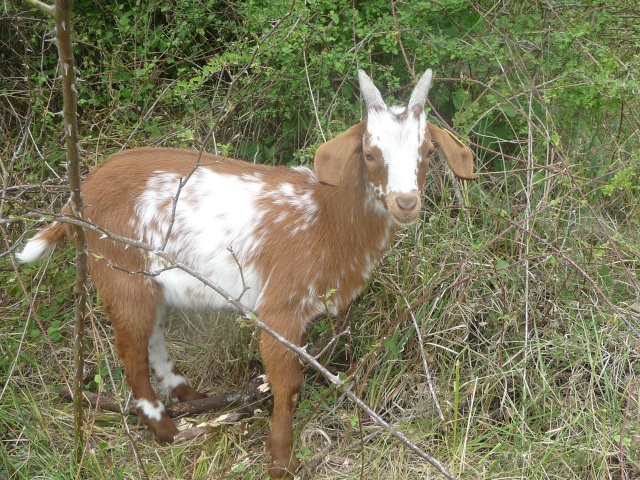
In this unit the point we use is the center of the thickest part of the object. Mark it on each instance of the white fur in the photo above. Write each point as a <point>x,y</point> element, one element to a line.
<point>159,357</point>
<point>151,410</point>
<point>203,231</point>
<point>399,140</point>
<point>36,249</point>
<point>219,241</point>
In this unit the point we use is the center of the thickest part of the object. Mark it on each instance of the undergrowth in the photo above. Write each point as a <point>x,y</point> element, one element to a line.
<point>499,334</point>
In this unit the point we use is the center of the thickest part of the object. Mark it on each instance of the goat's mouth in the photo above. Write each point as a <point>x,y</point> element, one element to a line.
<point>405,221</point>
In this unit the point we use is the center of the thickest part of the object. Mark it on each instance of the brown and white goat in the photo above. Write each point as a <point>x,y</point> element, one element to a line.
<point>289,235</point>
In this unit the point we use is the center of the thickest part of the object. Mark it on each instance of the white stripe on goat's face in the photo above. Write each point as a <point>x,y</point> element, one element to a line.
<point>397,148</point>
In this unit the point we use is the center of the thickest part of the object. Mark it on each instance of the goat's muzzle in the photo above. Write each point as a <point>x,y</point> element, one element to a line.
<point>404,207</point>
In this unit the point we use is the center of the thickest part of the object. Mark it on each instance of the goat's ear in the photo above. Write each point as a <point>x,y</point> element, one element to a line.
<point>333,157</point>
<point>458,155</point>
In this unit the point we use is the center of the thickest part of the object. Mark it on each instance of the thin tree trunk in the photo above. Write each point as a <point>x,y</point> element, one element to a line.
<point>61,13</point>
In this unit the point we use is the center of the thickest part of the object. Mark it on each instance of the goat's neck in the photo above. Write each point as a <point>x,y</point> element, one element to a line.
<point>361,223</point>
<point>356,236</point>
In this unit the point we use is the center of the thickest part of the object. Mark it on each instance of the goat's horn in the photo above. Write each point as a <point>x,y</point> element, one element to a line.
<point>419,95</point>
<point>370,93</point>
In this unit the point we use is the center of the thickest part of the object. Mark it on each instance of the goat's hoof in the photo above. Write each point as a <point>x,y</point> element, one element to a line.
<point>163,430</point>
<point>277,470</point>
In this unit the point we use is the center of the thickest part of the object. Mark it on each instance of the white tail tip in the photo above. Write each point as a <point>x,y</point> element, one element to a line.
<point>36,249</point>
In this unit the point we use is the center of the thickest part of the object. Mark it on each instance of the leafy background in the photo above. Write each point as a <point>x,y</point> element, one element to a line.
<point>518,289</point>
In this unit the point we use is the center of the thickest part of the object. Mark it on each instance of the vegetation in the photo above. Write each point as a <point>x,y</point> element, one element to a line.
<point>518,290</point>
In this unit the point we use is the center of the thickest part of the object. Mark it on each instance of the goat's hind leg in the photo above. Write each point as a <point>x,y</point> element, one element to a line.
<point>133,326</point>
<point>172,382</point>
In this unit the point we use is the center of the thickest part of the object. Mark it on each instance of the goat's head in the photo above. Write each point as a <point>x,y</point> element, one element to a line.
<point>397,147</point>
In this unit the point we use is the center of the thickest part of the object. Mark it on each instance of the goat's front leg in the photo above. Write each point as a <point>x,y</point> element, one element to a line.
<point>285,377</point>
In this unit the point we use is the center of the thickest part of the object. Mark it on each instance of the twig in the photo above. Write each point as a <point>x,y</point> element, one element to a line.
<point>624,427</point>
<point>43,7</point>
<point>313,100</point>
<point>527,266</point>
<point>310,466</point>
<point>399,38</point>
<point>142,121</point>
<point>174,203</point>
<point>335,338</point>
<point>193,433</point>
<point>61,13</point>
<point>241,271</point>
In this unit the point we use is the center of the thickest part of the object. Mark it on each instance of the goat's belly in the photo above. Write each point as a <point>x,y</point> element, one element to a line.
<point>180,289</point>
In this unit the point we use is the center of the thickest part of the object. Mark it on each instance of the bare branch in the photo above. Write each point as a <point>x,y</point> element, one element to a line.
<point>43,7</point>
<point>244,284</point>
<point>346,331</point>
<point>61,13</point>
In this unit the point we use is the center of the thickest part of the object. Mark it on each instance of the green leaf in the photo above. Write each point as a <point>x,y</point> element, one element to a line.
<point>502,265</point>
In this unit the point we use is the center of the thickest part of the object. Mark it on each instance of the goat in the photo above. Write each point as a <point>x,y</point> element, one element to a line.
<point>290,235</point>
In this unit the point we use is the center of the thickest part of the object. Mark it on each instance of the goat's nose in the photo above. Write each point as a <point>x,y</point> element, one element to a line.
<point>407,202</point>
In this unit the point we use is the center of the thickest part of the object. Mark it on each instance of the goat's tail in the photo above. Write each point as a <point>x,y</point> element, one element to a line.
<point>42,244</point>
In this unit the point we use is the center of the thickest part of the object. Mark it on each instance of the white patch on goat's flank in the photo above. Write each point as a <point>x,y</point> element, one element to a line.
<point>214,212</point>
<point>399,138</point>
<point>150,410</point>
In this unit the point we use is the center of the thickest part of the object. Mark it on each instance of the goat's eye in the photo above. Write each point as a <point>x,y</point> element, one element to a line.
<point>369,157</point>
<point>430,152</point>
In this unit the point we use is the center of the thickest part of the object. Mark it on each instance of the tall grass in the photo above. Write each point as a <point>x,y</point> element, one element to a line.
<point>497,334</point>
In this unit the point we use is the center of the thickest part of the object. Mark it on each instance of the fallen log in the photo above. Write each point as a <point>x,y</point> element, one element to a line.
<point>249,397</point>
